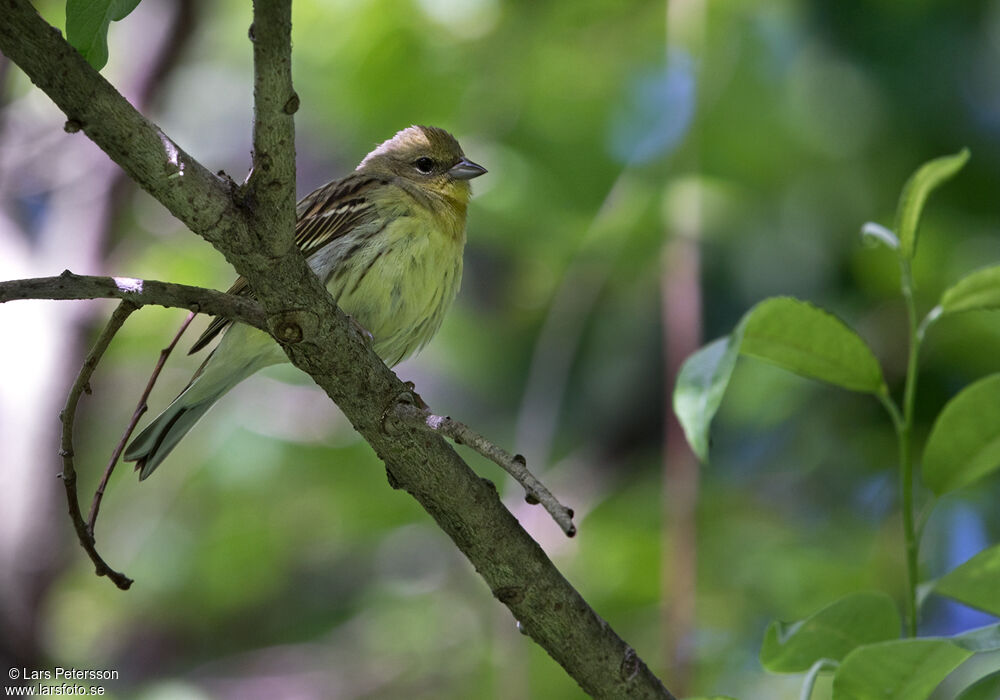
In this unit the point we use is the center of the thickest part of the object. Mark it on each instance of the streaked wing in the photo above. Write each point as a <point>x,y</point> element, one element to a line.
<point>333,210</point>
<point>324,214</point>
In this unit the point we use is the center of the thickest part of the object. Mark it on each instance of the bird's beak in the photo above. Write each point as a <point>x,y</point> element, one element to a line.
<point>465,169</point>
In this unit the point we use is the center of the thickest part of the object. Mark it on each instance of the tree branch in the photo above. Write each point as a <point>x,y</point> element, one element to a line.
<point>140,408</point>
<point>68,419</point>
<point>272,181</point>
<point>319,340</point>
<point>515,465</point>
<point>138,293</point>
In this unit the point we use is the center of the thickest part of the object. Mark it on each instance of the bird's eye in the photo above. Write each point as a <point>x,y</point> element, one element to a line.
<point>424,165</point>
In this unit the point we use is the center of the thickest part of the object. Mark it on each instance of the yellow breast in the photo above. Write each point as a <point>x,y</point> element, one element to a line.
<point>399,281</point>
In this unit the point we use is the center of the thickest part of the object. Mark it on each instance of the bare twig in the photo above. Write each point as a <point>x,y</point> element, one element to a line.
<point>514,465</point>
<point>68,417</point>
<point>140,409</point>
<point>134,293</point>
<point>137,292</point>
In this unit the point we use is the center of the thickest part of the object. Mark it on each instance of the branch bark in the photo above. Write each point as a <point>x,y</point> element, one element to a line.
<point>68,419</point>
<point>272,181</point>
<point>319,340</point>
<point>515,465</point>
<point>138,292</point>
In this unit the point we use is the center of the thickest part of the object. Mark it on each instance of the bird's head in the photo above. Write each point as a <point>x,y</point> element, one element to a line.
<point>428,157</point>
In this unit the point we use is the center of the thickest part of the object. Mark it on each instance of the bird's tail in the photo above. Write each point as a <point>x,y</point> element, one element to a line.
<point>243,351</point>
<point>212,380</point>
<point>161,436</point>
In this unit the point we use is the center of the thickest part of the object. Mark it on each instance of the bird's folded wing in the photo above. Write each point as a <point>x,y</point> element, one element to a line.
<point>323,215</point>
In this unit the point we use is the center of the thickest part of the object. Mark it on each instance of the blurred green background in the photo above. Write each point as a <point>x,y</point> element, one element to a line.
<point>271,558</point>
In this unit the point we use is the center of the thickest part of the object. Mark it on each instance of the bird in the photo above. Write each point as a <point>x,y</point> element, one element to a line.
<point>387,240</point>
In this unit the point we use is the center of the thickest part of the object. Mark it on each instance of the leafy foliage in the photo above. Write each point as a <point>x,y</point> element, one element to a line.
<point>974,582</point>
<point>856,636</point>
<point>979,291</point>
<point>701,384</point>
<point>911,202</point>
<point>903,669</point>
<point>807,340</point>
<point>786,332</point>
<point>964,444</point>
<point>830,634</point>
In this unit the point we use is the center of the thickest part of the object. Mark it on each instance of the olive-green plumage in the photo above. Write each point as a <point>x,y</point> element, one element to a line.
<point>387,240</point>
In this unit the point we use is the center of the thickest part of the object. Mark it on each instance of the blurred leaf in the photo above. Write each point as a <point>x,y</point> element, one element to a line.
<point>986,688</point>
<point>87,24</point>
<point>980,639</point>
<point>904,669</point>
<point>976,582</point>
<point>701,384</point>
<point>979,290</point>
<point>964,444</point>
<point>929,176</point>
<point>809,341</point>
<point>831,633</point>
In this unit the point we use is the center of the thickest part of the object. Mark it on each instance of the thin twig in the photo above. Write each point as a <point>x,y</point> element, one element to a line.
<point>68,417</point>
<point>138,292</point>
<point>514,465</point>
<point>140,409</point>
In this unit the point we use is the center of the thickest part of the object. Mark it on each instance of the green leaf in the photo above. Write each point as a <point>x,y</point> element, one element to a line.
<point>701,383</point>
<point>806,340</point>
<point>980,639</point>
<point>792,334</point>
<point>986,688</point>
<point>975,583</point>
<point>929,176</point>
<point>831,633</point>
<point>87,24</point>
<point>964,444</point>
<point>903,669</point>
<point>977,291</point>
